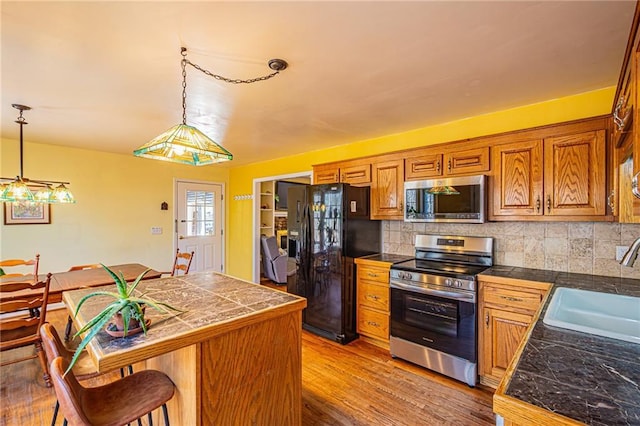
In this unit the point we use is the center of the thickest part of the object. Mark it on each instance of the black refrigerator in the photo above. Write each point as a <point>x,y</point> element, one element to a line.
<point>329,226</point>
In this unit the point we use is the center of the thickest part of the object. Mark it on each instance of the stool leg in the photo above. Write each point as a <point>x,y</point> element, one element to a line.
<point>139,422</point>
<point>67,330</point>
<point>150,419</point>
<point>166,415</point>
<point>55,413</point>
<point>64,423</point>
<point>130,369</point>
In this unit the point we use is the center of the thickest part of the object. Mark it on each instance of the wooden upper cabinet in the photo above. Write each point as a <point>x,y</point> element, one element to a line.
<point>450,163</point>
<point>467,161</point>
<point>517,182</point>
<point>354,172</point>
<point>357,174</point>
<point>575,174</point>
<point>326,174</point>
<point>387,189</point>
<point>558,176</point>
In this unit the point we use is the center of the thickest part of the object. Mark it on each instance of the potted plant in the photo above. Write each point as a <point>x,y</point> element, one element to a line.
<point>131,308</point>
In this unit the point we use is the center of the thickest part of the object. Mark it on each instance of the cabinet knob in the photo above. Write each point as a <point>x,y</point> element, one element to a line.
<point>449,165</point>
<point>486,319</point>
<point>538,204</point>
<point>438,166</point>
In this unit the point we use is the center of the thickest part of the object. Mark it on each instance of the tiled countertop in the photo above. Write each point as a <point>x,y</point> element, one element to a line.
<point>591,379</point>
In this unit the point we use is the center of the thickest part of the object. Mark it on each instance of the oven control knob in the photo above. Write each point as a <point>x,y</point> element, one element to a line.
<point>457,283</point>
<point>448,282</point>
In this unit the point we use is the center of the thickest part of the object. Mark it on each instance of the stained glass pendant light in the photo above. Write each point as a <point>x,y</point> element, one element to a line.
<point>185,144</point>
<point>21,188</point>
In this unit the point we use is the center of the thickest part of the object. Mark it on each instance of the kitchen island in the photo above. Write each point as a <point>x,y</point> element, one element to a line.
<point>565,377</point>
<point>234,354</point>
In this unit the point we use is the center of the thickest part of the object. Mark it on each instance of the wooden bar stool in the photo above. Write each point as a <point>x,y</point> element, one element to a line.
<point>114,404</point>
<point>83,369</point>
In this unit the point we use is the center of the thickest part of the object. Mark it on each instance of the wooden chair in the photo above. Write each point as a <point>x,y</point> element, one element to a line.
<point>116,403</point>
<point>67,330</point>
<point>28,313</point>
<point>83,369</point>
<point>21,263</point>
<point>182,263</point>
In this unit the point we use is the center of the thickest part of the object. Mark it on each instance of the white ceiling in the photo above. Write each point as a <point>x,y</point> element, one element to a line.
<point>106,75</point>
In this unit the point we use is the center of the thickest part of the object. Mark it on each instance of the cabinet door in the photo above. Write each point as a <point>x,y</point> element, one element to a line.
<point>467,161</point>
<point>356,174</point>
<point>518,184</point>
<point>502,332</point>
<point>387,182</point>
<point>575,167</point>
<point>326,175</point>
<point>423,166</point>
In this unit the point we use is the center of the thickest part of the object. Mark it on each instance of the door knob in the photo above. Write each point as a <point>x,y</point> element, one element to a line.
<point>181,237</point>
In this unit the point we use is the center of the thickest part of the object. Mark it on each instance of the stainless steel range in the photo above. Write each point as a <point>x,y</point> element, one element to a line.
<point>434,304</point>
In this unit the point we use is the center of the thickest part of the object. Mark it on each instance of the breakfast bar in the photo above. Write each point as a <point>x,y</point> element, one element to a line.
<point>234,354</point>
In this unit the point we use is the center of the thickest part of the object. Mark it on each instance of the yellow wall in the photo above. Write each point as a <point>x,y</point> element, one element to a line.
<point>119,199</point>
<point>241,178</point>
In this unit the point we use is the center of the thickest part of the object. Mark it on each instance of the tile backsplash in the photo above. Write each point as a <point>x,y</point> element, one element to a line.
<point>582,247</point>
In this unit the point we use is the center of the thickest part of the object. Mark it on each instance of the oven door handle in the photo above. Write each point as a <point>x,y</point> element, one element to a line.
<point>444,294</point>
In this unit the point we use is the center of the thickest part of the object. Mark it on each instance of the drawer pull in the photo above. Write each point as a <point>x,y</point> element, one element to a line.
<point>512,299</point>
<point>373,296</point>
<point>373,324</point>
<point>371,274</point>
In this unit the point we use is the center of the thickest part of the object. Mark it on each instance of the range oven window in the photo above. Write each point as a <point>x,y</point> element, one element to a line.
<point>443,324</point>
<point>433,314</point>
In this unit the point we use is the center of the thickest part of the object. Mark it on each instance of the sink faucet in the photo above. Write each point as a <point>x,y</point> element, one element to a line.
<point>631,254</point>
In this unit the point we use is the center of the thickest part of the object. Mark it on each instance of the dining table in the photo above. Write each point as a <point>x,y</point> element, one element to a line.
<point>86,278</point>
<point>234,351</point>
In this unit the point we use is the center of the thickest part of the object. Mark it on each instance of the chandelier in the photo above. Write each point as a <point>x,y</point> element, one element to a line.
<point>186,144</point>
<point>22,188</point>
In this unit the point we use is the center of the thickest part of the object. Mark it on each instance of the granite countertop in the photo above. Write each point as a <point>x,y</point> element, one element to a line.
<point>387,258</point>
<point>212,303</point>
<point>588,378</point>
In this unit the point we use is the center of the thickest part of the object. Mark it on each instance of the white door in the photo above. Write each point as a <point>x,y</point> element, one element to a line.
<point>199,224</point>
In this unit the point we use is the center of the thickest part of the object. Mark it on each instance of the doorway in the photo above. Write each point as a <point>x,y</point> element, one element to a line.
<point>199,221</point>
<point>267,219</point>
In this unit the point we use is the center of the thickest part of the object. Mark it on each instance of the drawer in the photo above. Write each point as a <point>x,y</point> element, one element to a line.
<point>371,273</point>
<point>529,301</point>
<point>373,295</point>
<point>373,323</point>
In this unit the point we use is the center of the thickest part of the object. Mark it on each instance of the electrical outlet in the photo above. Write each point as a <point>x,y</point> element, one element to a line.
<point>156,230</point>
<point>620,251</point>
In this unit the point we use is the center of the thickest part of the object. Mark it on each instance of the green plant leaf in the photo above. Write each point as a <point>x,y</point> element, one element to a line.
<point>95,293</point>
<point>137,281</point>
<point>97,326</point>
<point>158,306</point>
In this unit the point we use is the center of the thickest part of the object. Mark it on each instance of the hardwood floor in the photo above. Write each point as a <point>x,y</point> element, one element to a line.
<point>355,384</point>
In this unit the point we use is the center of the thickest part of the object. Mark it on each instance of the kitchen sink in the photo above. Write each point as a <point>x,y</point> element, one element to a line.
<point>604,314</point>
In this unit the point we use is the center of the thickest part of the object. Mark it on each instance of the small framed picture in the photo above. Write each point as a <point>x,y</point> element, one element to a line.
<point>27,213</point>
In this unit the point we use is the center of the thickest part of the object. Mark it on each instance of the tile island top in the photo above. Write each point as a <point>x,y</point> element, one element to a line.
<point>213,304</point>
<point>583,377</point>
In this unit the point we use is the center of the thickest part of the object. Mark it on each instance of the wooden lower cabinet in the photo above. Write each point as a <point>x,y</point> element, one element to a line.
<point>503,331</point>
<point>372,309</point>
<point>506,310</point>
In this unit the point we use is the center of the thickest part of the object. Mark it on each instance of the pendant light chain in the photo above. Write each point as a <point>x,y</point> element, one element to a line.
<point>184,85</point>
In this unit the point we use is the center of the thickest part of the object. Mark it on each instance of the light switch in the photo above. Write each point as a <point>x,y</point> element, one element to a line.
<point>156,230</point>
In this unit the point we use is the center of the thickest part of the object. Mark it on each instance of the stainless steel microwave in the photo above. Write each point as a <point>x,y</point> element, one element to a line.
<point>458,199</point>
